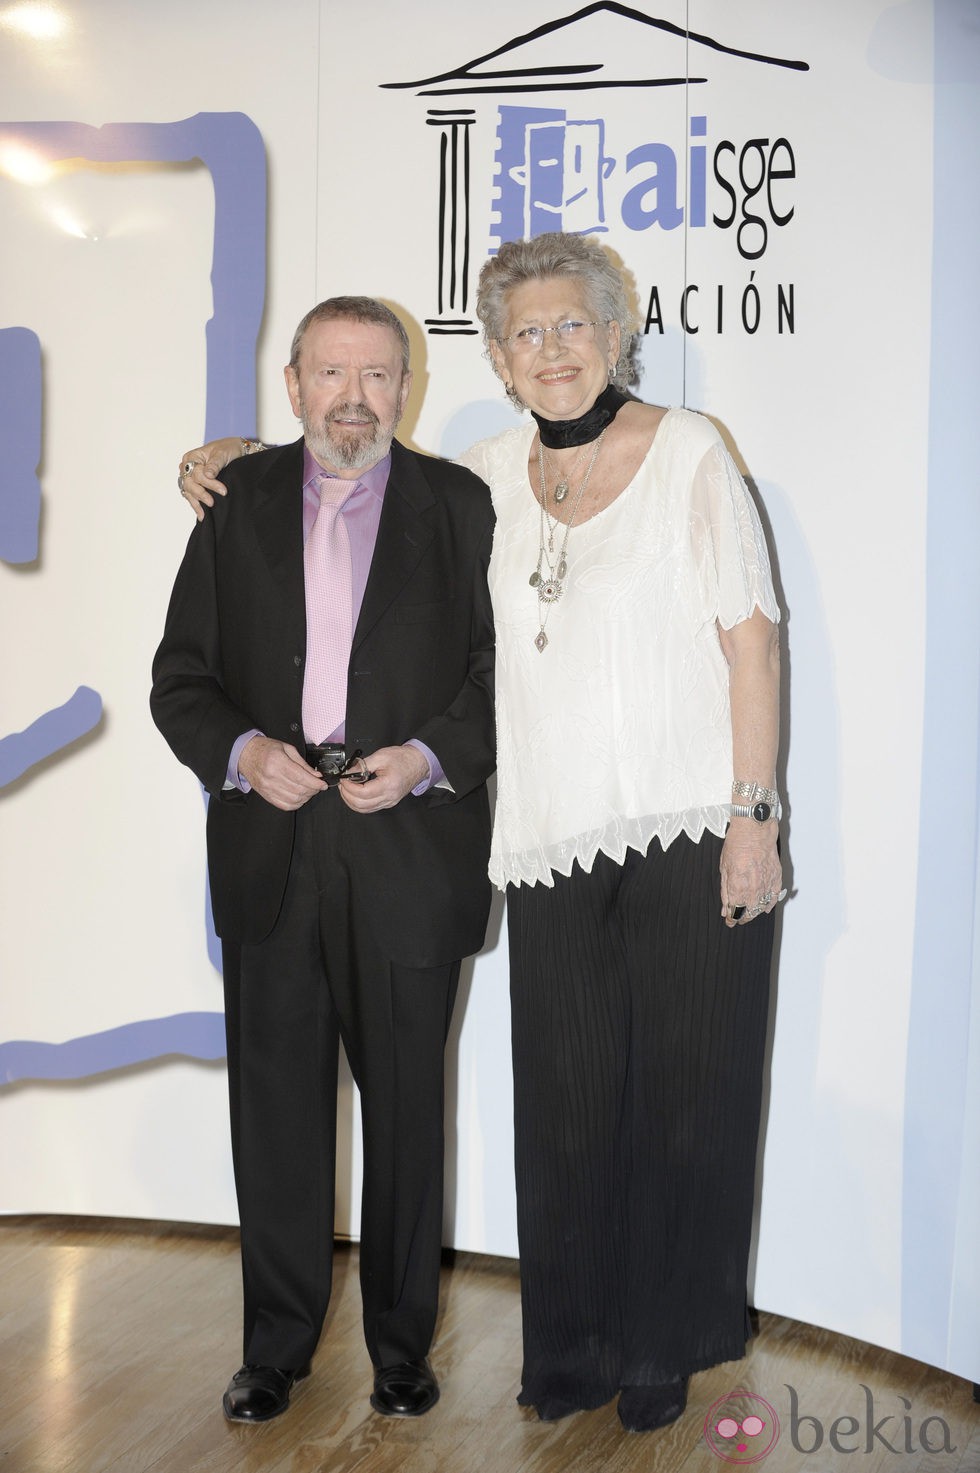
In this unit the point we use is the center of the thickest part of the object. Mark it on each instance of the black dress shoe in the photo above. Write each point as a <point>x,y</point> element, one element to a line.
<point>645,1408</point>
<point>554,1408</point>
<point>258,1393</point>
<point>406,1390</point>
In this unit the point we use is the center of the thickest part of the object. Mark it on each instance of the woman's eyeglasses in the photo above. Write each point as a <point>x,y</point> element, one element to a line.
<point>529,339</point>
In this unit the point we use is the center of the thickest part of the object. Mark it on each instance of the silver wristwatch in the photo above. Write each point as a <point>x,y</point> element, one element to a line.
<point>762,812</point>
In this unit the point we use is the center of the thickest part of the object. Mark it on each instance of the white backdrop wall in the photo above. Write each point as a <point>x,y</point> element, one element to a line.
<point>793,189</point>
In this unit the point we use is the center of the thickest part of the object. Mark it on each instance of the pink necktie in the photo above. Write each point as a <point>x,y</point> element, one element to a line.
<point>329,631</point>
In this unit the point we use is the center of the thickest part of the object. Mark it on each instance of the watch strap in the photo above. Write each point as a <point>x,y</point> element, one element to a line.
<point>760,811</point>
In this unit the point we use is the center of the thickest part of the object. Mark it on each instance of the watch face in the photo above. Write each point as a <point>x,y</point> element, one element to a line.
<point>762,812</point>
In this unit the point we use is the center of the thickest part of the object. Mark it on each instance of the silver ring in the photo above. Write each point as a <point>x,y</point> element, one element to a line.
<point>765,899</point>
<point>188,466</point>
<point>781,896</point>
<point>180,483</point>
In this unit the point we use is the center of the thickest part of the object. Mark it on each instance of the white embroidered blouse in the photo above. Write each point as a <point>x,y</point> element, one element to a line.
<point>619,731</point>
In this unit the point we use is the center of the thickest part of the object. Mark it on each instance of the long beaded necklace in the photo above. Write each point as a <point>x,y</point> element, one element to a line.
<point>552,567</point>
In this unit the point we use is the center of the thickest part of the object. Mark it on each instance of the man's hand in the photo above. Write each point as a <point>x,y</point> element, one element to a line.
<point>397,771</point>
<point>278,773</point>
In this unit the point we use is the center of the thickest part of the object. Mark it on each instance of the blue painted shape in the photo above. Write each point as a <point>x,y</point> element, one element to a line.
<point>51,732</point>
<point>231,148</point>
<point>193,1035</point>
<point>513,165</point>
<point>477,420</point>
<point>940,1208</point>
<point>20,437</point>
<point>213,939</point>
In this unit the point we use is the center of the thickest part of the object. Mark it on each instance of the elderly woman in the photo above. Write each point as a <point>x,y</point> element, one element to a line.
<point>637,726</point>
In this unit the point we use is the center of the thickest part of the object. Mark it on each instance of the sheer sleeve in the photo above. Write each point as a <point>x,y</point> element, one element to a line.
<point>730,553</point>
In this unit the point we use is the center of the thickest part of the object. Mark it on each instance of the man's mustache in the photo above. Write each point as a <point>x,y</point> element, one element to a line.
<point>353,411</point>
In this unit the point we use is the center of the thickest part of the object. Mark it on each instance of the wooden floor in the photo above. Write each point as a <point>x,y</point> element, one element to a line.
<point>117,1339</point>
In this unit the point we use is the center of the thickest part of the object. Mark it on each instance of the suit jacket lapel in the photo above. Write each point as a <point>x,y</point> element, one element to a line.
<point>279,517</point>
<point>403,536</point>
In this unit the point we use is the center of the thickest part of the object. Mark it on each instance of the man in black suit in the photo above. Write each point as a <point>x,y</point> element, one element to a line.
<point>344,906</point>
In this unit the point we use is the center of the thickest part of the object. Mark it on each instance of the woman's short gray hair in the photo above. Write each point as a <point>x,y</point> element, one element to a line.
<point>557,254</point>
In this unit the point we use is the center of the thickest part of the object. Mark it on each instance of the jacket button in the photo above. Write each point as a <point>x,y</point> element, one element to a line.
<point>297,659</point>
<point>294,726</point>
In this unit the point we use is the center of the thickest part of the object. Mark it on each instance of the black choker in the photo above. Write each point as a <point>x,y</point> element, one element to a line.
<point>562,434</point>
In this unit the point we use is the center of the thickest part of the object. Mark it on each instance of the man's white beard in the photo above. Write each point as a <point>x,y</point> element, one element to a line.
<point>345,449</point>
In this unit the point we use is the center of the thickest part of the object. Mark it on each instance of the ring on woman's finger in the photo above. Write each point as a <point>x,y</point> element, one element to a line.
<point>765,899</point>
<point>189,465</point>
<point>782,895</point>
<point>180,483</point>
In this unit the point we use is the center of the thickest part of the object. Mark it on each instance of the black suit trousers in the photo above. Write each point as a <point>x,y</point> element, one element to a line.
<point>321,978</point>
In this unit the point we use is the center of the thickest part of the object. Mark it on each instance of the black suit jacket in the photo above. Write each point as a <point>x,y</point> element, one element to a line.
<point>232,658</point>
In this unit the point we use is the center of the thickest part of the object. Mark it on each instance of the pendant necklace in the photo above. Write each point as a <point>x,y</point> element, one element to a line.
<point>561,482</point>
<point>552,568</point>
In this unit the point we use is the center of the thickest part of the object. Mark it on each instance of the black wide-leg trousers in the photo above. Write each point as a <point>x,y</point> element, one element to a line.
<point>318,979</point>
<point>639,1025</point>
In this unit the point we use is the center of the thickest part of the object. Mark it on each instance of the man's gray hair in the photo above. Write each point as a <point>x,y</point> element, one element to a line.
<point>351,309</point>
<point>558,254</point>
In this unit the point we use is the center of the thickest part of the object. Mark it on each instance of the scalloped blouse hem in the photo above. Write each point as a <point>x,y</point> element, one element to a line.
<point>539,866</point>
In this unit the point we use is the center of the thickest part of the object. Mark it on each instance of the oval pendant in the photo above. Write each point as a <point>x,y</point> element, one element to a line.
<point>534,579</point>
<point>561,490</point>
<point>562,568</point>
